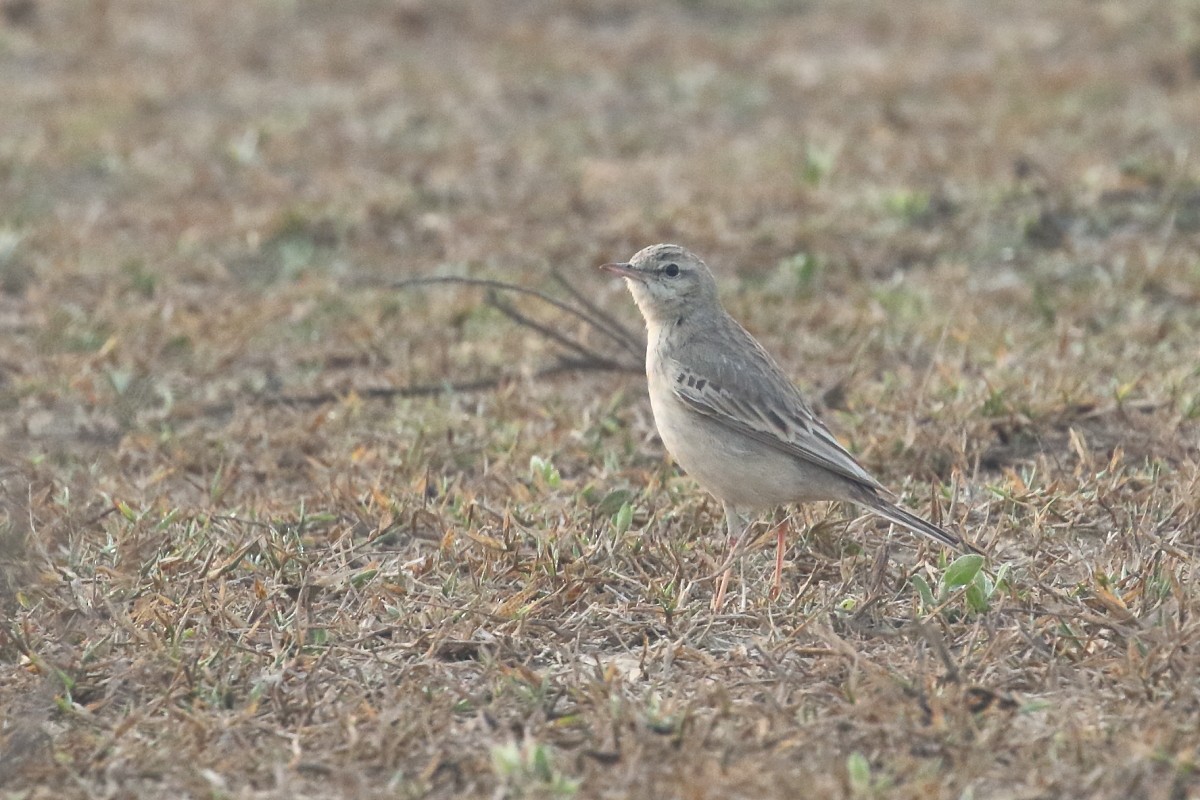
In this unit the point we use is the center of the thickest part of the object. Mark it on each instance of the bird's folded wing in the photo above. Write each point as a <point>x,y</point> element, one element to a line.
<point>777,417</point>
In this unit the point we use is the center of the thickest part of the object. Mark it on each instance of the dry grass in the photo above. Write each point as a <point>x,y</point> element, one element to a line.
<point>972,230</point>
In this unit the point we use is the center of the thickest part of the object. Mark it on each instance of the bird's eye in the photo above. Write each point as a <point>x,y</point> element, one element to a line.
<point>671,270</point>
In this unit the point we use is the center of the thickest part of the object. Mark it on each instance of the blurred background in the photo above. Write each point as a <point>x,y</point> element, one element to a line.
<point>395,136</point>
<point>179,165</point>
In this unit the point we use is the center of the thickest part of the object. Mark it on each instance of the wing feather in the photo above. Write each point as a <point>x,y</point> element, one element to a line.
<point>767,408</point>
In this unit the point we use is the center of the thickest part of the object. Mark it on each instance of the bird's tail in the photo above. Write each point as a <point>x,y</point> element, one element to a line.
<point>900,516</point>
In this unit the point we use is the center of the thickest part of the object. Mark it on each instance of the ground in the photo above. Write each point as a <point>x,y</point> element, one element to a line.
<point>255,544</point>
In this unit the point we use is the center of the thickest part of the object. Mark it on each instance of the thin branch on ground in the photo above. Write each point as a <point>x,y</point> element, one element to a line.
<point>632,341</point>
<point>602,323</point>
<point>586,353</point>
<point>483,384</point>
<point>586,359</point>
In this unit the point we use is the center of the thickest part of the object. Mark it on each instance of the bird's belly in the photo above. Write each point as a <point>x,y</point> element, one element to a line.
<point>737,469</point>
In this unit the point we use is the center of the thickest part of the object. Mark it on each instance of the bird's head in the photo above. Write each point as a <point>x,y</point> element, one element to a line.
<point>667,282</point>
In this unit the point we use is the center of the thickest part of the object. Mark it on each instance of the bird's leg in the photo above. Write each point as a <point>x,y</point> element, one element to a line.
<point>719,597</point>
<point>735,526</point>
<point>777,584</point>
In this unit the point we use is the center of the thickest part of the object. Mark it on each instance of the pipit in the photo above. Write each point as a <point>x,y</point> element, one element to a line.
<point>730,416</point>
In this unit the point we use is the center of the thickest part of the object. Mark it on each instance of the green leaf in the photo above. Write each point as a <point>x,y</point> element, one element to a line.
<point>540,761</point>
<point>126,512</point>
<point>1002,578</point>
<point>506,759</point>
<point>962,571</point>
<point>543,468</point>
<point>977,601</point>
<point>924,590</point>
<point>984,582</point>
<point>361,578</point>
<point>613,501</point>
<point>623,518</point>
<point>537,466</point>
<point>858,769</point>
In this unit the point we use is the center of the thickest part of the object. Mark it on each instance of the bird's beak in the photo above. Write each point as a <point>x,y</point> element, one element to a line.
<point>625,270</point>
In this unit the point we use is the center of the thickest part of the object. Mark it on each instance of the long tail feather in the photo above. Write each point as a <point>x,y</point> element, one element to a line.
<point>898,515</point>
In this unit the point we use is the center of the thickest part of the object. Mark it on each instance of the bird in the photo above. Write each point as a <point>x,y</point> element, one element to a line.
<point>731,417</point>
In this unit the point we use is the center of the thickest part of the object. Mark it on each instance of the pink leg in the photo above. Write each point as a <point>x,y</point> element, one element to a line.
<point>777,584</point>
<point>736,529</point>
<point>719,598</point>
